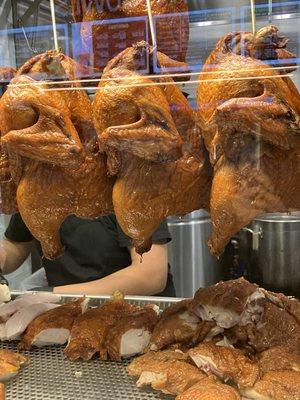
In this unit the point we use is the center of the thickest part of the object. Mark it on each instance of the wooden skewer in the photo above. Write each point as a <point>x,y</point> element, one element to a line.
<point>52,7</point>
<point>151,24</point>
<point>253,17</point>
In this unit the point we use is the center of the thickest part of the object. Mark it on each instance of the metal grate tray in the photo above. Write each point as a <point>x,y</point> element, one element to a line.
<point>50,376</point>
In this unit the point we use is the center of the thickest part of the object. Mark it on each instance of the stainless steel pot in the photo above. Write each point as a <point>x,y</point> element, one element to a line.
<point>192,264</point>
<point>269,250</point>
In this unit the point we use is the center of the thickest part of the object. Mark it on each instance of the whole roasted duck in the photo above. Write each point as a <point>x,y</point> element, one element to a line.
<point>249,113</point>
<point>92,13</point>
<point>154,146</point>
<point>51,144</point>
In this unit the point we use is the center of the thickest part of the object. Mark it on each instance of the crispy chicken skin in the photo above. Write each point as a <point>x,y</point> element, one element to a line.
<point>225,302</point>
<point>54,326</point>
<point>175,326</point>
<point>251,129</point>
<point>131,334</point>
<point>227,363</point>
<point>275,385</point>
<point>209,390</point>
<point>166,371</point>
<point>52,148</point>
<point>90,330</point>
<point>278,358</point>
<point>154,146</point>
<point>87,11</point>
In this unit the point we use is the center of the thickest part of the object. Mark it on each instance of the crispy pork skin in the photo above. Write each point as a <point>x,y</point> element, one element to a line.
<point>278,358</point>
<point>209,390</point>
<point>131,334</point>
<point>8,309</point>
<point>90,330</point>
<point>226,363</point>
<point>53,326</point>
<point>275,385</point>
<point>227,303</point>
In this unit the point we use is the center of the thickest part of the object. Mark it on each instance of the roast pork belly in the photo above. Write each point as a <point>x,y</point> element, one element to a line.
<point>275,385</point>
<point>278,358</point>
<point>8,309</point>
<point>53,326</point>
<point>131,334</point>
<point>166,371</point>
<point>209,390</point>
<point>90,330</point>
<point>229,303</point>
<point>225,362</point>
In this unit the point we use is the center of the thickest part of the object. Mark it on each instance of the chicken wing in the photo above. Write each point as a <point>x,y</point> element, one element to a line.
<point>54,326</point>
<point>136,121</point>
<point>251,125</point>
<point>226,363</point>
<point>208,390</point>
<point>53,151</point>
<point>275,385</point>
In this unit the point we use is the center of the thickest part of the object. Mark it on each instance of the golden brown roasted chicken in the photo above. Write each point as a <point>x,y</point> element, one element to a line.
<point>154,146</point>
<point>172,32</point>
<point>275,385</point>
<point>225,362</point>
<point>209,390</point>
<point>10,364</point>
<point>49,138</point>
<point>250,120</point>
<point>53,326</point>
<point>279,358</point>
<point>165,371</point>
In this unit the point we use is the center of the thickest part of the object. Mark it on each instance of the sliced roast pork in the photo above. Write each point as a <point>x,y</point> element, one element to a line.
<point>8,309</point>
<point>209,390</point>
<point>131,334</point>
<point>226,363</point>
<point>275,385</point>
<point>54,326</point>
<point>228,303</point>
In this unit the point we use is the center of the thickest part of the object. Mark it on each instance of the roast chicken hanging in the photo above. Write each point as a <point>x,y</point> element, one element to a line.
<point>154,146</point>
<point>250,120</point>
<point>103,38</point>
<point>51,145</point>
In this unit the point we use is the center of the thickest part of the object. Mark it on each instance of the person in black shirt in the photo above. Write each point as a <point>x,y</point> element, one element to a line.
<point>98,258</point>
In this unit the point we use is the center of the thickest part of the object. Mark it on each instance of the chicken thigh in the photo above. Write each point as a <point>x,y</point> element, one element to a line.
<point>53,153</point>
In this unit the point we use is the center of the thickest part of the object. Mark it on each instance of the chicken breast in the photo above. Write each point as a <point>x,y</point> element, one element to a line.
<point>278,359</point>
<point>275,385</point>
<point>225,362</point>
<point>208,390</point>
<point>18,323</point>
<point>90,330</point>
<point>8,309</point>
<point>228,303</point>
<point>131,334</point>
<point>54,326</point>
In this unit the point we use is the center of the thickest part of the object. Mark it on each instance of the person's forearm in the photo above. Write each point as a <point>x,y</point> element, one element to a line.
<point>12,255</point>
<point>130,280</point>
